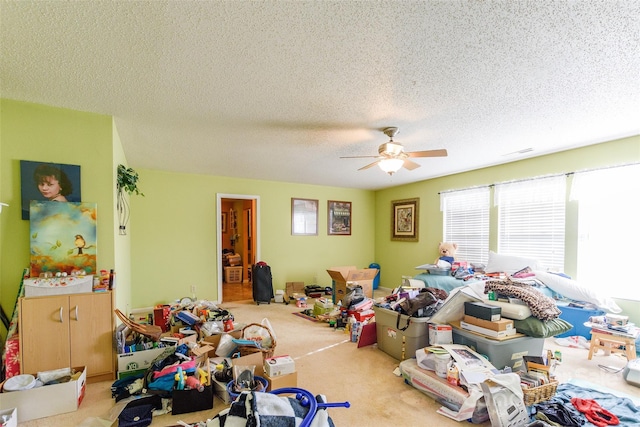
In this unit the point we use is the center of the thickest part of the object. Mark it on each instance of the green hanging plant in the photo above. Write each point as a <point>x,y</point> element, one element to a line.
<point>127,181</point>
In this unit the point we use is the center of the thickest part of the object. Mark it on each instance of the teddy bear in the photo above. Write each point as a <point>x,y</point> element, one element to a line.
<point>447,251</point>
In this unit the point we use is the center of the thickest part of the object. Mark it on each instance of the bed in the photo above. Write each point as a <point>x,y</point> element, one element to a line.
<point>554,285</point>
<point>447,283</point>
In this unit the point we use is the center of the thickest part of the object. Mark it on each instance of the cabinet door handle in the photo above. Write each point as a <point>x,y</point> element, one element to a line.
<point>77,313</point>
<point>61,319</point>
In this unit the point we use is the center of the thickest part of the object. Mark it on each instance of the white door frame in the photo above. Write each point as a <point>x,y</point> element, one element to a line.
<point>219,197</point>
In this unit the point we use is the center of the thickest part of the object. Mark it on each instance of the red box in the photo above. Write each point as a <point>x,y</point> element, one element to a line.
<point>361,316</point>
<point>161,316</point>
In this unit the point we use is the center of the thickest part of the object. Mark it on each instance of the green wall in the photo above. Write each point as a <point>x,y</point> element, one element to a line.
<point>174,244</point>
<point>400,258</point>
<point>171,243</point>
<point>47,134</point>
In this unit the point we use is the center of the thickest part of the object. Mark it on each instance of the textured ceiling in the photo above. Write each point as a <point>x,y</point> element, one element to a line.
<point>281,90</point>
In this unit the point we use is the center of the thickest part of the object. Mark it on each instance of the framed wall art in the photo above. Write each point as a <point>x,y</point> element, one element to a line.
<point>223,222</point>
<point>339,218</point>
<point>404,220</point>
<point>304,217</point>
<point>48,181</point>
<point>63,237</point>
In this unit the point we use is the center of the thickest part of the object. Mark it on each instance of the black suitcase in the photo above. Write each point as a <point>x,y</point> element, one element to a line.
<point>262,285</point>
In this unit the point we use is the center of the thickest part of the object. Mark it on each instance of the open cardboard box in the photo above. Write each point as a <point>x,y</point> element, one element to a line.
<point>351,274</point>
<point>47,400</point>
<point>293,291</point>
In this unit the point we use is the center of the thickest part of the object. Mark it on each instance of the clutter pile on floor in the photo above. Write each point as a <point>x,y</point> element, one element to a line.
<point>201,353</point>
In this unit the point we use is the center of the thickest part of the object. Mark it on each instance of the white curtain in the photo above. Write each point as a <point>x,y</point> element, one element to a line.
<point>608,232</point>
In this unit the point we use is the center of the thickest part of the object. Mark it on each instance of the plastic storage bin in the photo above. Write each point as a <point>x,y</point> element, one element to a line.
<point>233,274</point>
<point>376,280</point>
<point>501,353</point>
<point>393,340</point>
<point>577,316</point>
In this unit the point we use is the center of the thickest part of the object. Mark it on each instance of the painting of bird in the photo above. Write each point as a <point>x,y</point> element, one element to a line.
<point>80,243</point>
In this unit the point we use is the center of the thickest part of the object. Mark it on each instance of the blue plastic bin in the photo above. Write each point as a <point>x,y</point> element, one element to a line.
<point>577,316</point>
<point>376,280</point>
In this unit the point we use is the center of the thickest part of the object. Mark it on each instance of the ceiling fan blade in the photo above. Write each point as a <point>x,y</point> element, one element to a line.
<point>370,165</point>
<point>360,157</point>
<point>408,164</point>
<point>428,153</point>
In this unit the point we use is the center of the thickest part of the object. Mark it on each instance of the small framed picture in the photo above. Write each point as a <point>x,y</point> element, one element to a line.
<point>404,217</point>
<point>304,217</point>
<point>223,222</point>
<point>339,218</point>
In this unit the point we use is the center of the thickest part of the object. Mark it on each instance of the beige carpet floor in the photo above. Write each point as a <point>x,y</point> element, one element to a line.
<point>329,364</point>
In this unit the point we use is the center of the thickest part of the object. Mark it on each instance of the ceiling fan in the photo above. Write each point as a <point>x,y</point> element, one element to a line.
<point>392,155</point>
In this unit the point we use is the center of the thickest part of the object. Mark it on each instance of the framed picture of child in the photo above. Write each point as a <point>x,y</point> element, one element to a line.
<point>54,182</point>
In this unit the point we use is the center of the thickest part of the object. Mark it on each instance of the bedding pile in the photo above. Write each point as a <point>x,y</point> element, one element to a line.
<point>541,306</point>
<point>624,410</point>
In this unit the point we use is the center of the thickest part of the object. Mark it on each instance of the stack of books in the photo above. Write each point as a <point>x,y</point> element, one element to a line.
<point>492,328</point>
<point>613,324</point>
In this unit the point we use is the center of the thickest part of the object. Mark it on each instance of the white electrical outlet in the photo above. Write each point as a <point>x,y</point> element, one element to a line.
<point>193,290</point>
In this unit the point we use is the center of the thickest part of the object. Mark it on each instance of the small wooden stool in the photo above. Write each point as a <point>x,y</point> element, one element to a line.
<point>611,344</point>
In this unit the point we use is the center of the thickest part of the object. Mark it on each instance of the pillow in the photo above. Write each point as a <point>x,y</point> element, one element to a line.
<point>511,310</point>
<point>509,263</point>
<point>537,328</point>
<point>573,290</point>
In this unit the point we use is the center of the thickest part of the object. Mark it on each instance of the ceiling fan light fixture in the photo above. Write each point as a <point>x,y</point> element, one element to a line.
<point>391,166</point>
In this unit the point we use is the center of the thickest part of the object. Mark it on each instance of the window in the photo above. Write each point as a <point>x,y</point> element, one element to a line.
<point>466,222</point>
<point>608,233</point>
<point>531,219</point>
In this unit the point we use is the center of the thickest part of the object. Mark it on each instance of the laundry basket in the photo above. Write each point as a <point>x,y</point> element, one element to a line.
<point>539,394</point>
<point>264,332</point>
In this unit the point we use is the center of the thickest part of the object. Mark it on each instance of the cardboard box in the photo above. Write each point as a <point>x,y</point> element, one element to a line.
<point>254,359</point>
<point>498,325</point>
<point>440,334</point>
<point>214,341</point>
<point>294,290</point>
<point>220,390</point>
<point>279,365</point>
<point>48,400</point>
<point>10,416</point>
<point>482,311</point>
<point>488,332</point>
<point>352,275</point>
<point>282,381</point>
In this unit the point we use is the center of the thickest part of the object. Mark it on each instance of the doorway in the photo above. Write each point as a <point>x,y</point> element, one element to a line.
<point>238,243</point>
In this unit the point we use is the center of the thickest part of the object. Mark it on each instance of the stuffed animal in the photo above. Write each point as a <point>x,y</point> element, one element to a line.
<point>447,251</point>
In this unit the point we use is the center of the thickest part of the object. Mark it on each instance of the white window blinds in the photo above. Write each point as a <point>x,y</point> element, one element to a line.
<point>466,222</point>
<point>531,219</point>
<point>608,235</point>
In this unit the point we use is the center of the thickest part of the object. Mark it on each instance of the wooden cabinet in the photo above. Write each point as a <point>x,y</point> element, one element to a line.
<point>68,331</point>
